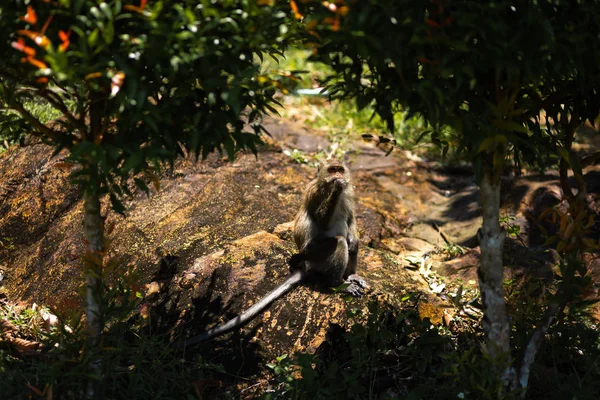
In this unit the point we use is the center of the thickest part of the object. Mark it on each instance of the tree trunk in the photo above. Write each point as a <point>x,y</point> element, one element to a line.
<point>94,234</point>
<point>496,323</point>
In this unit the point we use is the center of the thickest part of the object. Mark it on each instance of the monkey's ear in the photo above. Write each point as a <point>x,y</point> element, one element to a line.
<point>320,165</point>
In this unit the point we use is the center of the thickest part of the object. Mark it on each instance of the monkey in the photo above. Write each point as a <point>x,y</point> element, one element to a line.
<point>326,236</point>
<point>325,229</point>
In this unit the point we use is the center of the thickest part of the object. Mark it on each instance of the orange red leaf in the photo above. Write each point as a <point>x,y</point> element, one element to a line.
<point>93,75</point>
<point>64,37</point>
<point>294,8</point>
<point>116,83</point>
<point>136,9</point>
<point>37,63</point>
<point>310,25</point>
<point>432,23</point>
<point>63,46</point>
<point>20,45</point>
<point>38,38</point>
<point>31,16</point>
<point>336,25</point>
<point>133,8</point>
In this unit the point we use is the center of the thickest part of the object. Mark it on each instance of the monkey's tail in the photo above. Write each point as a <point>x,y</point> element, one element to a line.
<point>250,313</point>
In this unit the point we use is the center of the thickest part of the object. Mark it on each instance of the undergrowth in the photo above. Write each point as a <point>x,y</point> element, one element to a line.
<point>389,353</point>
<point>42,354</point>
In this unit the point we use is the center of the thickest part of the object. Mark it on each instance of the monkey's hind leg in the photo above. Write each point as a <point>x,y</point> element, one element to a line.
<point>316,255</point>
<point>327,256</point>
<point>338,261</point>
<point>331,258</point>
<point>341,260</point>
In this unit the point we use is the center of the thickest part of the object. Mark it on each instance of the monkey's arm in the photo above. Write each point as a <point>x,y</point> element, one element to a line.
<point>327,207</point>
<point>250,313</point>
<point>352,239</point>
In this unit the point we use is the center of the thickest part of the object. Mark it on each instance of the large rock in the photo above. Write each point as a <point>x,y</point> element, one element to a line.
<point>200,209</point>
<point>212,241</point>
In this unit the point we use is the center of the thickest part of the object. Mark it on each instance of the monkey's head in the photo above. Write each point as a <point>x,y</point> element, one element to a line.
<point>334,173</point>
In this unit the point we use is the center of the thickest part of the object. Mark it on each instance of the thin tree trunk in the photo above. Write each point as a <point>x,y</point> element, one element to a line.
<point>564,165</point>
<point>496,323</point>
<point>534,344</point>
<point>94,234</point>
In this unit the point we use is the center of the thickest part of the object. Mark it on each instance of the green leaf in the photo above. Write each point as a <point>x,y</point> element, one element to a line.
<point>489,144</point>
<point>142,185</point>
<point>93,38</point>
<point>106,10</point>
<point>109,32</point>
<point>191,17</point>
<point>156,11</point>
<point>95,12</point>
<point>116,204</point>
<point>510,126</point>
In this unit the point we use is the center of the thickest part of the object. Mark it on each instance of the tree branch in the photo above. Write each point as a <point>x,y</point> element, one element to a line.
<point>534,345</point>
<point>569,126</point>
<point>72,91</point>
<point>57,102</point>
<point>41,128</point>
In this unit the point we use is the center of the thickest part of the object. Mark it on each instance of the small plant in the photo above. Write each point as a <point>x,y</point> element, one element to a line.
<point>7,242</point>
<point>471,376</point>
<point>283,368</point>
<point>454,250</point>
<point>512,230</point>
<point>296,155</point>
